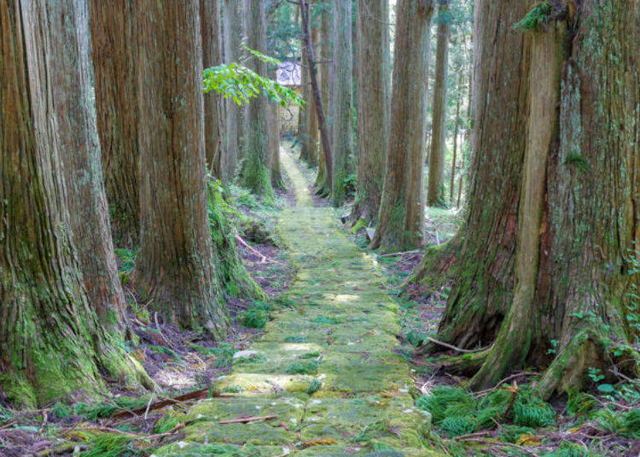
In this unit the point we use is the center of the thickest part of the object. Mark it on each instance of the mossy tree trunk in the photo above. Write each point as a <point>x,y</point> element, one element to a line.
<point>114,45</point>
<point>213,103</point>
<point>401,216</point>
<point>52,344</point>
<point>374,96</point>
<point>256,168</point>
<point>480,258</point>
<point>80,152</point>
<point>576,223</point>
<point>233,32</point>
<point>435,193</point>
<point>341,89</point>
<point>175,267</point>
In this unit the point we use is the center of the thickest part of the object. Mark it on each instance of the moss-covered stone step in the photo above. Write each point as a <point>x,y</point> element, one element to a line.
<point>328,368</point>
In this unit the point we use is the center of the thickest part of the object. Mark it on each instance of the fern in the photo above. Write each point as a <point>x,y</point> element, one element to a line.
<point>537,16</point>
<point>445,401</point>
<point>111,445</point>
<point>169,422</point>
<point>632,423</point>
<point>106,410</point>
<point>459,425</point>
<point>257,316</point>
<point>611,421</point>
<point>530,411</point>
<point>568,449</point>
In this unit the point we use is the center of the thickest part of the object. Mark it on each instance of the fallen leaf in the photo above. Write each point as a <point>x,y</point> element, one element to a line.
<point>319,442</point>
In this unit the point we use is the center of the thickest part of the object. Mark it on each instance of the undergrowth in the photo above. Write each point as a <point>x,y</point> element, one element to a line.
<point>456,411</point>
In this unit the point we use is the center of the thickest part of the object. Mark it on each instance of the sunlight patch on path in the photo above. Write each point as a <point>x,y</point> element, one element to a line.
<point>327,373</point>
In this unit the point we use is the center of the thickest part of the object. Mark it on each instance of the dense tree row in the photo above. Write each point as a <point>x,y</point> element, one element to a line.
<point>140,162</point>
<point>544,271</point>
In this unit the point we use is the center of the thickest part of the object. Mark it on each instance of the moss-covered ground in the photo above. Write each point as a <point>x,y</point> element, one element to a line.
<point>327,370</point>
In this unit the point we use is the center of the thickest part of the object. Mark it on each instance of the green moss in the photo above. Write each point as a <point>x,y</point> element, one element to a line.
<point>303,367</point>
<point>233,276</point>
<point>577,160</point>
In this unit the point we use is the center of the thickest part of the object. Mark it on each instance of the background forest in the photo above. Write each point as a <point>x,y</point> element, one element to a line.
<point>319,227</point>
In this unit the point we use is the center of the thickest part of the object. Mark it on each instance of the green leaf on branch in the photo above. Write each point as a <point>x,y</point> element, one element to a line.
<point>240,84</point>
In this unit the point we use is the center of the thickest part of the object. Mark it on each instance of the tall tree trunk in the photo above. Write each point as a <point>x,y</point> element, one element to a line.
<point>274,142</point>
<point>456,132</point>
<point>322,184</point>
<point>307,94</point>
<point>435,196</point>
<point>175,267</point>
<point>310,133</point>
<point>544,93</point>
<point>374,94</point>
<point>114,45</point>
<point>80,152</point>
<point>401,216</point>
<point>341,89</point>
<point>213,103</point>
<point>233,32</point>
<point>256,168</point>
<point>575,225</point>
<point>480,259</point>
<point>317,96</point>
<point>51,342</point>
<point>467,136</point>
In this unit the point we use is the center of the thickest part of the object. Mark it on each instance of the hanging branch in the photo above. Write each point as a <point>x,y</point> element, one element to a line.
<point>322,124</point>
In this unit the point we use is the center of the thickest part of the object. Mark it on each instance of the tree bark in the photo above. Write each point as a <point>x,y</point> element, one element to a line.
<point>567,296</point>
<point>456,132</point>
<point>374,97</point>
<point>175,267</point>
<point>515,336</point>
<point>256,168</point>
<point>341,89</point>
<point>323,185</point>
<point>310,133</point>
<point>233,32</point>
<point>51,343</point>
<point>401,216</point>
<point>80,152</point>
<point>435,193</point>
<point>213,103</point>
<point>114,45</point>
<point>480,258</point>
<point>317,96</point>
<point>274,143</point>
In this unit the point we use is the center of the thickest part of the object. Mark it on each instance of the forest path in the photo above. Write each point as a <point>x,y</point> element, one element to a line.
<point>327,369</point>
